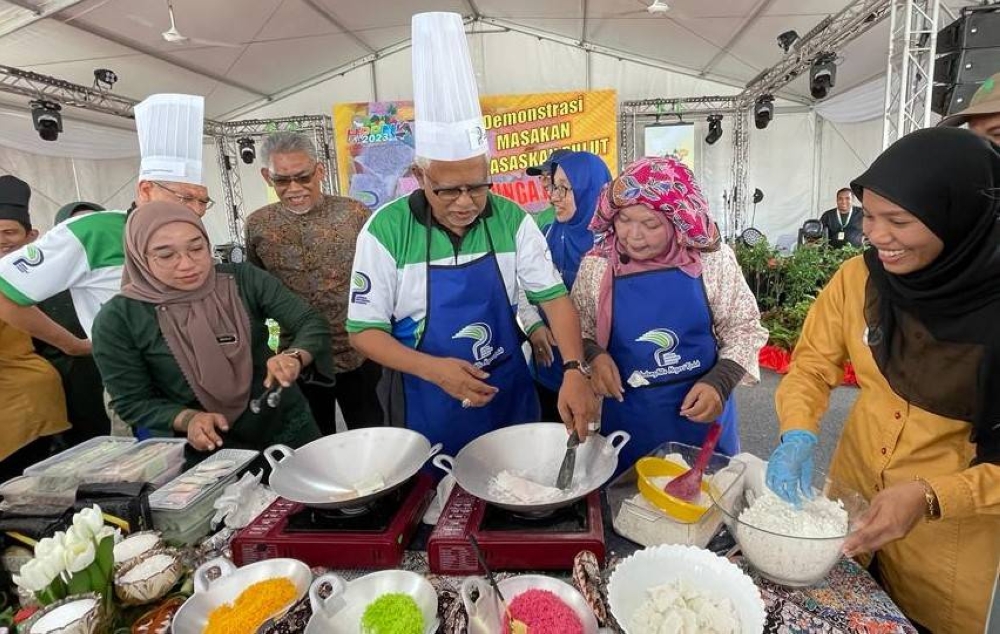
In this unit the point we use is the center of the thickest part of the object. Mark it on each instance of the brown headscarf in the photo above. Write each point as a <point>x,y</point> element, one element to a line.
<point>207,329</point>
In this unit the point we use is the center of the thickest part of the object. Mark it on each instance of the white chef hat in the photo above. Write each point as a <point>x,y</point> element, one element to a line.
<point>449,121</point>
<point>170,137</point>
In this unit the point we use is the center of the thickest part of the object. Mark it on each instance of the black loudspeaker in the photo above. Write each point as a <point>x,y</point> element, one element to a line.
<point>968,66</point>
<point>979,27</point>
<point>968,54</point>
<point>950,98</point>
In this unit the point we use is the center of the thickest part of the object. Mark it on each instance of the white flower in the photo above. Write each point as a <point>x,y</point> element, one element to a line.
<point>108,531</point>
<point>80,551</point>
<point>47,545</point>
<point>88,522</point>
<point>36,575</point>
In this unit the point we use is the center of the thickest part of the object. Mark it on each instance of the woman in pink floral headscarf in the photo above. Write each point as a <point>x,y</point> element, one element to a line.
<point>670,324</point>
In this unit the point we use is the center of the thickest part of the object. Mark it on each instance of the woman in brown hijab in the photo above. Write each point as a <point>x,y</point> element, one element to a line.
<point>183,349</point>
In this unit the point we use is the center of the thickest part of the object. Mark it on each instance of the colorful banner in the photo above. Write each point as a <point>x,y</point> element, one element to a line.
<point>375,142</point>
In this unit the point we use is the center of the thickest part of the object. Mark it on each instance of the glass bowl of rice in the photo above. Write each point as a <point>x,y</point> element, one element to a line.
<point>793,545</point>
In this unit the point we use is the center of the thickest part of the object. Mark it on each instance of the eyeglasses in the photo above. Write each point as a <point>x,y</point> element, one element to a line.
<point>171,259</point>
<point>451,194</point>
<point>561,190</point>
<point>282,180</point>
<point>204,203</point>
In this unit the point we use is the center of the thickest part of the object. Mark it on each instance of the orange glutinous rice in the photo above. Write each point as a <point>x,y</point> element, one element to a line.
<point>255,605</point>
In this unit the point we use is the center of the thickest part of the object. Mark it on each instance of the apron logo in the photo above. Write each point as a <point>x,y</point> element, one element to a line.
<point>482,347</point>
<point>32,257</point>
<point>666,342</point>
<point>361,285</point>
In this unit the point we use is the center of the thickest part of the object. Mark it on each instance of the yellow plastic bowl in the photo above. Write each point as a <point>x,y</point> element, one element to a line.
<point>647,469</point>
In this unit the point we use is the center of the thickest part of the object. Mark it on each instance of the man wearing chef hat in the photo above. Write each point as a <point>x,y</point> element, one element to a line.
<point>85,254</point>
<point>436,274</point>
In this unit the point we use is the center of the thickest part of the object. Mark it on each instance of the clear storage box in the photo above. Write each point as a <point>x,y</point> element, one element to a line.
<point>156,460</point>
<point>183,508</point>
<point>636,519</point>
<point>62,471</point>
<point>27,492</point>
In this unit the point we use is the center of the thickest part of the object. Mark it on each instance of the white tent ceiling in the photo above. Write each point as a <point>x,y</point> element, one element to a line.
<point>269,49</point>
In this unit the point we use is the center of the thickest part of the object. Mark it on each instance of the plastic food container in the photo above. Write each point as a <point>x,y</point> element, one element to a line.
<point>27,491</point>
<point>183,507</point>
<point>155,460</point>
<point>639,520</point>
<point>62,471</point>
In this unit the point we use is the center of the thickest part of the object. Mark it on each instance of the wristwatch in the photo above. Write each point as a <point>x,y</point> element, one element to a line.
<point>580,366</point>
<point>297,354</point>
<point>933,511</point>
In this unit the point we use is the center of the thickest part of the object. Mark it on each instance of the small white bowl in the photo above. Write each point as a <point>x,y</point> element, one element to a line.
<point>703,570</point>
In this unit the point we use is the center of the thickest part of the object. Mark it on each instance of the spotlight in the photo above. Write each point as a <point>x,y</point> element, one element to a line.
<point>763,111</point>
<point>787,39</point>
<point>752,237</point>
<point>104,79</point>
<point>823,75</point>
<point>247,150</point>
<point>714,128</point>
<point>47,120</point>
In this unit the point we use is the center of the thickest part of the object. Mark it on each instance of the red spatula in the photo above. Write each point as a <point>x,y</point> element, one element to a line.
<point>687,486</point>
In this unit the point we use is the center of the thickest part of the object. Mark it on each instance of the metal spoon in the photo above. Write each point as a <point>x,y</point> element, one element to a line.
<point>271,396</point>
<point>515,626</point>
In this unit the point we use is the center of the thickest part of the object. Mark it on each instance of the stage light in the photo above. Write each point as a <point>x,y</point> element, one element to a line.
<point>763,111</point>
<point>248,150</point>
<point>714,128</point>
<point>823,75</point>
<point>104,79</point>
<point>48,122</point>
<point>787,39</point>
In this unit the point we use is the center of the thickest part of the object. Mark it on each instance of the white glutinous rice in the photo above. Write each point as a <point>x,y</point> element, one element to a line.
<point>808,542</point>
<point>148,567</point>
<point>679,608</point>
<point>510,488</point>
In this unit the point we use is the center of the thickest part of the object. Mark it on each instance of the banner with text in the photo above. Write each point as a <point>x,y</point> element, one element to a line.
<point>375,142</point>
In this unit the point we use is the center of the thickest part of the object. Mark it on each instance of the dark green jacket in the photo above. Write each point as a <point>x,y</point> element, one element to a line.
<point>148,389</point>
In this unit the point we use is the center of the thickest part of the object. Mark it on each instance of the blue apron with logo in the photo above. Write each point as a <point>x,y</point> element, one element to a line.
<point>670,343</point>
<point>469,317</point>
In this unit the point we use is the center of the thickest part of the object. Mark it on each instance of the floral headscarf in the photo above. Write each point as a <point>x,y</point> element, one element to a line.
<point>664,185</point>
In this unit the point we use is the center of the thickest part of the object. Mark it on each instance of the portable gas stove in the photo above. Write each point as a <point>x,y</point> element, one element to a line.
<point>374,538</point>
<point>512,542</point>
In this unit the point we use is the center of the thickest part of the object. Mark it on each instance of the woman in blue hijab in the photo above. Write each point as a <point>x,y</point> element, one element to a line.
<point>577,180</point>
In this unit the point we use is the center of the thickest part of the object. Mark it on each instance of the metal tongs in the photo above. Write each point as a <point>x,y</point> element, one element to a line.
<point>271,396</point>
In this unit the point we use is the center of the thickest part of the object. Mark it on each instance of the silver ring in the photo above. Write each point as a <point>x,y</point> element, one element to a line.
<point>466,403</point>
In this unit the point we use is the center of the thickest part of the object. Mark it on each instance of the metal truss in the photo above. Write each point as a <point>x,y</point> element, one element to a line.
<point>37,86</point>
<point>909,78</point>
<point>632,114</point>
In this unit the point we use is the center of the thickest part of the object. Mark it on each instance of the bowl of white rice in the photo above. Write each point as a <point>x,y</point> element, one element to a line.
<point>686,590</point>
<point>793,545</point>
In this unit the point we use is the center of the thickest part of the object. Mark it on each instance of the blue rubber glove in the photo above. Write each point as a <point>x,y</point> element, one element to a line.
<point>789,471</point>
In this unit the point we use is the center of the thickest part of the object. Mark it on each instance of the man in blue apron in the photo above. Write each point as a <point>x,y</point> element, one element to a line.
<point>437,273</point>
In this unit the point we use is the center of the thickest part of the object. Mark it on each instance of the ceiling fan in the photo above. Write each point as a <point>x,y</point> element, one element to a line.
<point>656,9</point>
<point>174,36</point>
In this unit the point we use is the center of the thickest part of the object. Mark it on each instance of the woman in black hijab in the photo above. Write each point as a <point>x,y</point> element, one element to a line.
<point>919,317</point>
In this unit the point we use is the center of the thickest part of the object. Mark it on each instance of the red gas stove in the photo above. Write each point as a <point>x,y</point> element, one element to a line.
<point>512,542</point>
<point>375,538</point>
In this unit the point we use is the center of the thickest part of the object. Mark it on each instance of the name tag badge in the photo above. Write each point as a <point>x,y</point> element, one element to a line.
<point>841,236</point>
<point>226,339</point>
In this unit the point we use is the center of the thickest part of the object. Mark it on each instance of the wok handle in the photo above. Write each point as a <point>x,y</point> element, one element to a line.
<point>444,462</point>
<point>333,603</point>
<point>435,450</point>
<point>283,452</point>
<point>201,578</point>
<point>624,436</point>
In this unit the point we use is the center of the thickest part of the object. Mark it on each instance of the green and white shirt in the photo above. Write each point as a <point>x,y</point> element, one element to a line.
<point>83,255</point>
<point>389,281</point>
